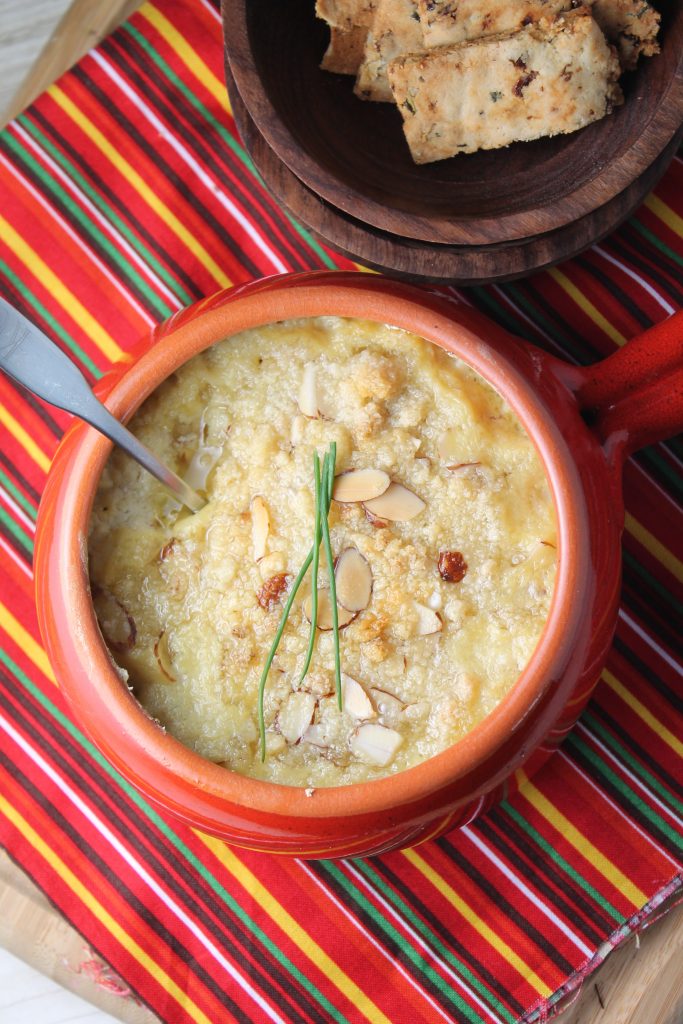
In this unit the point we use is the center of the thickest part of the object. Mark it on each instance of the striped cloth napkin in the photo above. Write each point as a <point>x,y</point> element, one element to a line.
<point>124,195</point>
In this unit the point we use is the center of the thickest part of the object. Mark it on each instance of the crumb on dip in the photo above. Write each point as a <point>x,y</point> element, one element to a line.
<point>454,569</point>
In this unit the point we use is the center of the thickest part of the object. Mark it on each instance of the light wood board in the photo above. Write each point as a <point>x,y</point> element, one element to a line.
<point>638,984</point>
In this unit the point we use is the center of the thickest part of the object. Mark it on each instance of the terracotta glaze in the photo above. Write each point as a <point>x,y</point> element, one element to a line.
<point>584,423</point>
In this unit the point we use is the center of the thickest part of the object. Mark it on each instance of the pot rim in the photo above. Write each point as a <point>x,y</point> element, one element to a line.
<point>215,787</point>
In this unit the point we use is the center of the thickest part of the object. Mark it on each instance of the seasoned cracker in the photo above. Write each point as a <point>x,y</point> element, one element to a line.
<point>346,14</point>
<point>395,30</point>
<point>632,25</point>
<point>345,51</point>
<point>445,22</point>
<point>548,79</point>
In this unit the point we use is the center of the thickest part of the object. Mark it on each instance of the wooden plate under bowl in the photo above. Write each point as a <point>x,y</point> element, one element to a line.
<point>421,261</point>
<point>353,155</point>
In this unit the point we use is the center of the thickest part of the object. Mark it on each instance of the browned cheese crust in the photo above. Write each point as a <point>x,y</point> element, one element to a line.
<point>548,79</point>
<point>345,52</point>
<point>395,30</point>
<point>632,25</point>
<point>445,22</point>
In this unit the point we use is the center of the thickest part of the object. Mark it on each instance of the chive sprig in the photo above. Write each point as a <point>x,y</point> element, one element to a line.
<point>323,482</point>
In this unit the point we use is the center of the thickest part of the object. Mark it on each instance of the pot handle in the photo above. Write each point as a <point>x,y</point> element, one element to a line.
<point>635,396</point>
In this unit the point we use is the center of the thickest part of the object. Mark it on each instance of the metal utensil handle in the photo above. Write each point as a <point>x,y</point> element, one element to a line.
<point>29,357</point>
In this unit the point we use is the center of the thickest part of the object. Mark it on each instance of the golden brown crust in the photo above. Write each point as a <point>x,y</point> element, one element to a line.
<point>446,22</point>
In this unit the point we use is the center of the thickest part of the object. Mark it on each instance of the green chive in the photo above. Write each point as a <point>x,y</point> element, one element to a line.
<point>278,636</point>
<point>329,483</point>
<point>323,485</point>
<point>321,508</point>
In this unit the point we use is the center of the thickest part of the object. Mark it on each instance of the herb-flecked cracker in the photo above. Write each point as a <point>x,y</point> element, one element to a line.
<point>345,51</point>
<point>346,14</point>
<point>445,22</point>
<point>395,30</point>
<point>632,25</point>
<point>548,79</point>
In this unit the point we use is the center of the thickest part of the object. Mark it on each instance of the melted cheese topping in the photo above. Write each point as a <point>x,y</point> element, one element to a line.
<point>189,606</point>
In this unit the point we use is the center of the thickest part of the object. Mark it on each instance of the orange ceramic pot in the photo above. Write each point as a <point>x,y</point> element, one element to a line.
<point>584,422</point>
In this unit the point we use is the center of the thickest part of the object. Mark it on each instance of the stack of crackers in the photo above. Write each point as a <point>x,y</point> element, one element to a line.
<point>480,74</point>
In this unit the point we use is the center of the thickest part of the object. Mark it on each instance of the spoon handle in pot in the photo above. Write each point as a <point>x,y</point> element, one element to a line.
<point>30,358</point>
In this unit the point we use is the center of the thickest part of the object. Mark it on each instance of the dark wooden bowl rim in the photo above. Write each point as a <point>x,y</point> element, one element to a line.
<point>643,147</point>
<point>420,261</point>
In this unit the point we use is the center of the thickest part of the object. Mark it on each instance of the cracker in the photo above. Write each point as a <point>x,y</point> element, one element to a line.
<point>395,30</point>
<point>548,79</point>
<point>346,14</point>
<point>445,22</point>
<point>345,51</point>
<point>632,25</point>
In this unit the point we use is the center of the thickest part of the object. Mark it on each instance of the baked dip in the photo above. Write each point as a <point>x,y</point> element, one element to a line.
<point>442,534</point>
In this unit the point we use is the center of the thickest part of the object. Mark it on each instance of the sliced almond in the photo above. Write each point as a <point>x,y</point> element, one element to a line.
<point>462,467</point>
<point>428,621</point>
<point>324,621</point>
<point>260,527</point>
<point>295,715</point>
<point>353,577</point>
<point>452,566</point>
<point>397,504</point>
<point>116,623</point>
<point>360,485</point>
<point>272,589</point>
<point>163,655</point>
<point>167,549</point>
<point>385,700</point>
<point>355,700</point>
<point>308,393</point>
<point>374,520</point>
<point>316,735</point>
<point>375,744</point>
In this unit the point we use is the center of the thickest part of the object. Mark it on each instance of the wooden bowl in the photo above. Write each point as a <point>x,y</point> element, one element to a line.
<point>424,261</point>
<point>353,154</point>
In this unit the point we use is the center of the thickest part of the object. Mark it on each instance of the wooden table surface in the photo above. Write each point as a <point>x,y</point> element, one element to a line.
<point>640,983</point>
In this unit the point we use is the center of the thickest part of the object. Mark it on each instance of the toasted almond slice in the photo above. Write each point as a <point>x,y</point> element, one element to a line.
<point>360,484</point>
<point>316,735</point>
<point>308,393</point>
<point>260,526</point>
<point>396,504</point>
<point>355,700</point>
<point>295,715</point>
<point>353,576</point>
<point>272,590</point>
<point>428,621</point>
<point>462,467</point>
<point>374,520</point>
<point>452,566</point>
<point>163,655</point>
<point>374,743</point>
<point>117,625</point>
<point>324,622</point>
